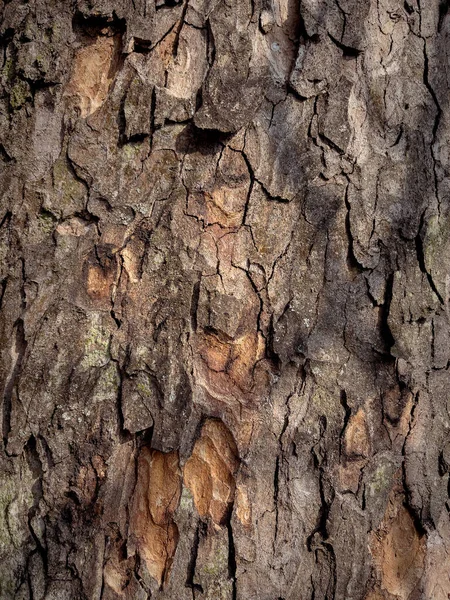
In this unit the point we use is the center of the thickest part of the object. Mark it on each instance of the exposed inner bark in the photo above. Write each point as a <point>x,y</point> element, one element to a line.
<point>224,296</point>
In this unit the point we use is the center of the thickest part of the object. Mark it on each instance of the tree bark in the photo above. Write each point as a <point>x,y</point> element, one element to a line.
<point>225,243</point>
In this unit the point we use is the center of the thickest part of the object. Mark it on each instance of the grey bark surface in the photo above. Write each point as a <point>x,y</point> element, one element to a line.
<point>224,293</point>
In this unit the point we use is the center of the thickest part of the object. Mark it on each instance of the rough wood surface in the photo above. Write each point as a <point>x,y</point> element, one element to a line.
<point>224,293</point>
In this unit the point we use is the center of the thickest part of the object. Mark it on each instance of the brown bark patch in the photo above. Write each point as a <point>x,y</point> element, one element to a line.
<point>356,450</point>
<point>98,282</point>
<point>234,358</point>
<point>94,69</point>
<point>75,227</point>
<point>356,439</point>
<point>155,500</point>
<point>224,203</point>
<point>165,48</point>
<point>398,551</point>
<point>118,568</point>
<point>100,273</point>
<point>243,506</point>
<point>350,475</point>
<point>225,206</point>
<point>210,472</point>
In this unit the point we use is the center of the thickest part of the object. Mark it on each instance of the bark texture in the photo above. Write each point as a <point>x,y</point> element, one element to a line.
<point>225,334</point>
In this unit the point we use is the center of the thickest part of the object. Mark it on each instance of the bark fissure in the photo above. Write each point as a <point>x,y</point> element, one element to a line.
<point>224,259</point>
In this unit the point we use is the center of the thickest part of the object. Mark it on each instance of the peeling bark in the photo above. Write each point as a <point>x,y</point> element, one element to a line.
<point>224,290</point>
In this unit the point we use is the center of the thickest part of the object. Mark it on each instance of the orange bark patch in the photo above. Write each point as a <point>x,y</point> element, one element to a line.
<point>115,577</point>
<point>233,357</point>
<point>98,282</point>
<point>398,551</point>
<point>375,596</point>
<point>210,471</point>
<point>118,568</point>
<point>155,500</point>
<point>93,71</point>
<point>243,506</point>
<point>86,484</point>
<point>75,226</point>
<point>165,48</point>
<point>132,256</point>
<point>349,476</point>
<point>224,203</point>
<point>356,439</point>
<point>99,271</point>
<point>225,206</point>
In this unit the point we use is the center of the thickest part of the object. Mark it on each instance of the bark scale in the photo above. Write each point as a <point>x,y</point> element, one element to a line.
<point>225,336</point>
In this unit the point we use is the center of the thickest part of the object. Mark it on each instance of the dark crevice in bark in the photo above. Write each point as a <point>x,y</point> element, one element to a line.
<point>291,90</point>
<point>344,18</point>
<point>409,9</point>
<point>319,534</point>
<point>271,354</point>
<point>421,258</point>
<point>20,345</point>
<point>347,51</point>
<point>203,140</point>
<point>347,415</point>
<point>114,317</point>
<point>152,118</point>
<point>92,25</point>
<point>6,220</point>
<point>211,57</point>
<point>323,138</point>
<point>422,521</point>
<point>142,46</point>
<point>125,435</point>
<point>331,588</point>
<point>179,28</point>
<point>7,35</point>
<point>231,561</point>
<point>279,459</point>
<point>4,156</point>
<point>119,267</point>
<point>400,134</point>
<point>144,437</point>
<point>211,47</point>
<point>385,330</point>
<point>352,261</point>
<point>167,4</point>
<point>200,532</point>
<point>36,468</point>
<point>139,579</point>
<point>3,284</point>
<point>194,303</point>
<point>276,476</point>
<point>122,123</point>
<point>71,166</point>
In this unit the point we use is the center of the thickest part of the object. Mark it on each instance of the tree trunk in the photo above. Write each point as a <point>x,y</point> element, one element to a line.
<point>225,243</point>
